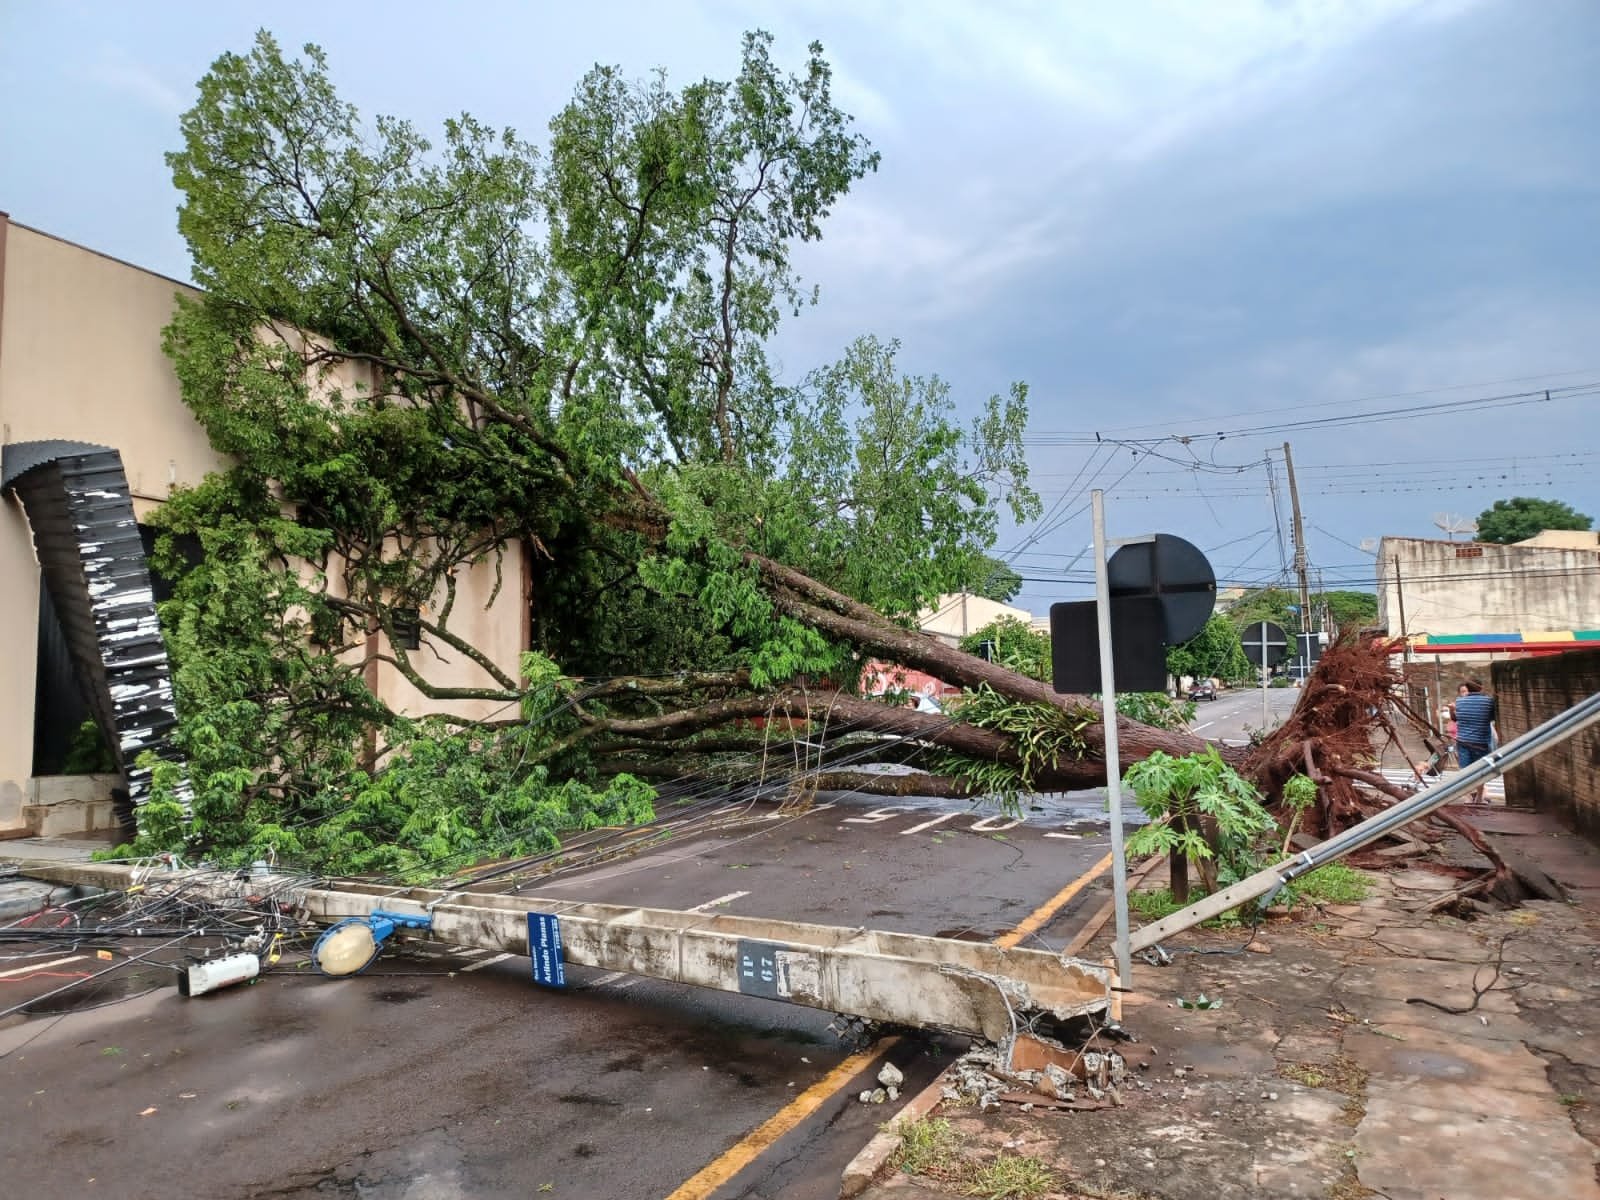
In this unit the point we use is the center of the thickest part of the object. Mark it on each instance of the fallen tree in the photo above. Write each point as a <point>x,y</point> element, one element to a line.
<point>562,350</point>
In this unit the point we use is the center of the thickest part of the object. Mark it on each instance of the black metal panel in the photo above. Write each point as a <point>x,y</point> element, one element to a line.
<point>58,705</point>
<point>93,562</point>
<point>1138,653</point>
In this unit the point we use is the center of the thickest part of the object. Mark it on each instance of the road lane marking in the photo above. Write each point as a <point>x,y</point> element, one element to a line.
<point>1040,917</point>
<point>1198,728</point>
<point>729,898</point>
<point>987,825</point>
<point>950,816</point>
<point>486,962</point>
<point>44,966</point>
<point>876,815</point>
<point>750,1147</point>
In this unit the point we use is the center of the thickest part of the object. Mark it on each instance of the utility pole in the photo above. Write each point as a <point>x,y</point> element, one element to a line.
<point>1299,540</point>
<point>1400,598</point>
<point>1299,528</point>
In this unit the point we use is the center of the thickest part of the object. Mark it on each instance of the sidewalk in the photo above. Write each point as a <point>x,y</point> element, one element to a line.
<point>1327,1071</point>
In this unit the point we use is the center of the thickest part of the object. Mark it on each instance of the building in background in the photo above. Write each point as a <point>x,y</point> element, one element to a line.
<point>1477,601</point>
<point>95,435</point>
<point>954,616</point>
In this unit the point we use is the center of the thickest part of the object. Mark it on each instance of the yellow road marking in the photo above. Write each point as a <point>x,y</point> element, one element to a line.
<point>745,1151</point>
<point>1040,917</point>
<point>750,1147</point>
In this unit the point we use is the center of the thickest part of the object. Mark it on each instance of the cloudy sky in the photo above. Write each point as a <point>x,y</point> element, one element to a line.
<point>1174,220</point>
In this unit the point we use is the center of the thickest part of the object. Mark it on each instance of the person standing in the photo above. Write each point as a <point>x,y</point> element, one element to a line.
<point>1476,712</point>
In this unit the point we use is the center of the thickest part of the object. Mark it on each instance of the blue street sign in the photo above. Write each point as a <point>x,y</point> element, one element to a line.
<point>544,948</point>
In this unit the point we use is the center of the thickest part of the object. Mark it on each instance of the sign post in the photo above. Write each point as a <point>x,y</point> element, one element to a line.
<point>1265,644</point>
<point>1108,702</point>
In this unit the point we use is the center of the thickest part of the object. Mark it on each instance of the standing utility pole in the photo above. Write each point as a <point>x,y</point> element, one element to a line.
<point>1299,542</point>
<point>1400,599</point>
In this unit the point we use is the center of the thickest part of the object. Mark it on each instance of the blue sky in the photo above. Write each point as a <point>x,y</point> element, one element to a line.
<point>1185,218</point>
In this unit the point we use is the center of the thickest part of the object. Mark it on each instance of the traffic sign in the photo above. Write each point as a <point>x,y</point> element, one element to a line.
<point>1265,644</point>
<point>544,948</point>
<point>1174,571</point>
<point>1138,648</point>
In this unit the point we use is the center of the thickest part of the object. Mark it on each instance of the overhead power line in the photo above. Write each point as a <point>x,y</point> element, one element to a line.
<point>1335,420</point>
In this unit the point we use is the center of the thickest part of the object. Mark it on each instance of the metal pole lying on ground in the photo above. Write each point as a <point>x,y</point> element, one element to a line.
<point>1553,732</point>
<point>1108,701</point>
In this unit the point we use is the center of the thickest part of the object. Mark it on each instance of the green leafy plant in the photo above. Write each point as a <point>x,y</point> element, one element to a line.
<point>88,753</point>
<point>1012,643</point>
<point>1334,883</point>
<point>1157,709</point>
<point>1299,794</point>
<point>1043,735</point>
<point>1200,811</point>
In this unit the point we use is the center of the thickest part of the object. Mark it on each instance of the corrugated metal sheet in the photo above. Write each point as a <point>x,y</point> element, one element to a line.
<point>93,562</point>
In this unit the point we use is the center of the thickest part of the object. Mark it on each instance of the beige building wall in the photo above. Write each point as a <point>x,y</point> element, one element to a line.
<point>1456,588</point>
<point>961,613</point>
<point>81,360</point>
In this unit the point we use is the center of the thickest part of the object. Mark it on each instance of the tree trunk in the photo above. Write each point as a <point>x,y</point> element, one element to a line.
<point>838,616</point>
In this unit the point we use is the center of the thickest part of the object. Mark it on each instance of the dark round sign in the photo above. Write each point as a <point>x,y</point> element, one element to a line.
<point>1174,571</point>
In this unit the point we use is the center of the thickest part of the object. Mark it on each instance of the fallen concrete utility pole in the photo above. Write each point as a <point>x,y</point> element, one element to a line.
<point>938,983</point>
<point>1515,752</point>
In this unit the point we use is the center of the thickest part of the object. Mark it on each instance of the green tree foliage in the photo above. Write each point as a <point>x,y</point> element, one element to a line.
<point>1273,604</point>
<point>1346,609</point>
<point>420,352</point>
<point>1349,610</point>
<point>1013,644</point>
<point>1156,709</point>
<point>1523,517</point>
<point>1214,651</point>
<point>994,580</point>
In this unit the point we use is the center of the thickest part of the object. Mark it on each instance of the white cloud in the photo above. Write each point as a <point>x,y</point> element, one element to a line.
<point>115,69</point>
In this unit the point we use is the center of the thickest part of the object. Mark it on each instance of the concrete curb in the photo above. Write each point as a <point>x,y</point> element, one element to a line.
<point>864,1167</point>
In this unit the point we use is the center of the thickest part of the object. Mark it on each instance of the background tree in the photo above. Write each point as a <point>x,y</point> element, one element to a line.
<point>1523,517</point>
<point>1013,644</point>
<point>995,580</point>
<point>1273,604</point>
<point>1349,610</point>
<point>1214,651</point>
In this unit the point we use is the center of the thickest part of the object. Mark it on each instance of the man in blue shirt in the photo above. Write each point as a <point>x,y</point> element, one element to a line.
<point>1475,716</point>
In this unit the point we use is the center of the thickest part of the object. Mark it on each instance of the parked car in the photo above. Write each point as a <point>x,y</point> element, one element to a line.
<point>1204,690</point>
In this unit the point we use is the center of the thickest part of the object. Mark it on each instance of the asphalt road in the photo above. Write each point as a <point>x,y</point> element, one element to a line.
<point>1235,713</point>
<point>443,1074</point>
<point>416,1083</point>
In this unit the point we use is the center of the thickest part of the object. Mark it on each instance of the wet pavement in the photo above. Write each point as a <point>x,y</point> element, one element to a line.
<point>417,1083</point>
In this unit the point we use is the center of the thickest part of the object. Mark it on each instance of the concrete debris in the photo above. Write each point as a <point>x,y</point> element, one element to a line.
<point>1036,1070</point>
<point>890,1076</point>
<point>894,1094</point>
<point>875,1096</point>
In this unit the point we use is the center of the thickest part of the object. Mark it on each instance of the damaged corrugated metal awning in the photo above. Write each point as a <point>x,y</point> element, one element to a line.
<point>81,513</point>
